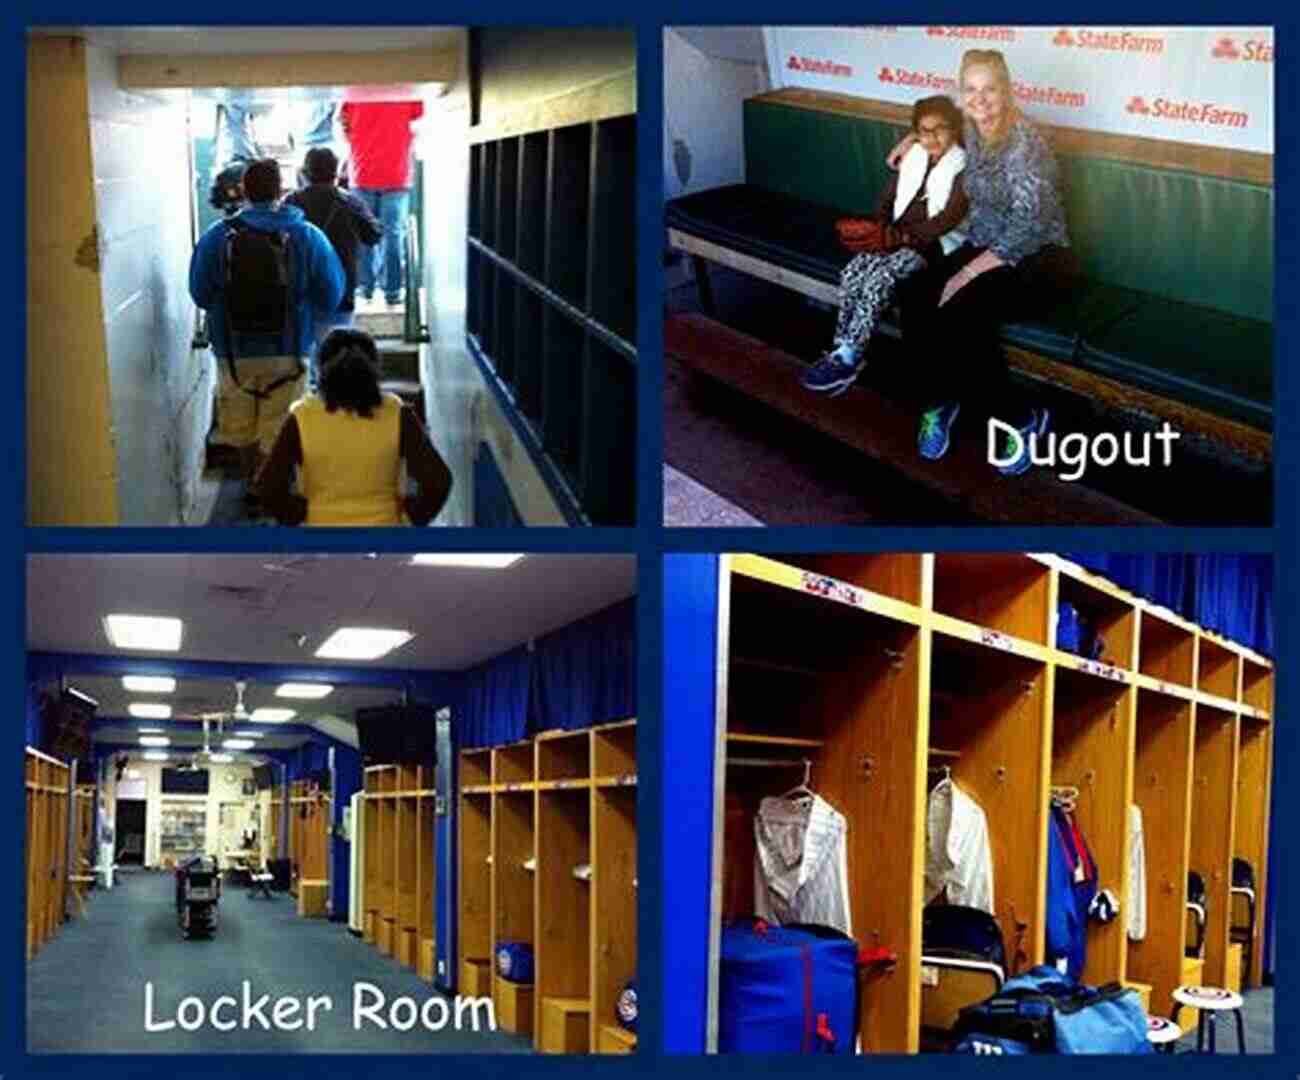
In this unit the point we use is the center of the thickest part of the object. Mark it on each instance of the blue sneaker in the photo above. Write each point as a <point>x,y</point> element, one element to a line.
<point>1036,426</point>
<point>936,426</point>
<point>831,375</point>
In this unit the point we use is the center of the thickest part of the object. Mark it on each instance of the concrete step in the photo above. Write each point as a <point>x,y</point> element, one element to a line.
<point>398,360</point>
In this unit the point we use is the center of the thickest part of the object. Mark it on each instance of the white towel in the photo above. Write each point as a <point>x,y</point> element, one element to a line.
<point>938,185</point>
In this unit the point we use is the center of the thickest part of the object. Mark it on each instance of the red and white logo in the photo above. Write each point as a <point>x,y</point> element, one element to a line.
<point>1257,50</point>
<point>1126,41</point>
<point>973,33</point>
<point>819,67</point>
<point>1225,49</point>
<point>1138,105</point>
<point>1204,113</point>
<point>885,75</point>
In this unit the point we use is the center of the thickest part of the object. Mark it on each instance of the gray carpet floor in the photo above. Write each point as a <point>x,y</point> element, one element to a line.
<point>86,987</point>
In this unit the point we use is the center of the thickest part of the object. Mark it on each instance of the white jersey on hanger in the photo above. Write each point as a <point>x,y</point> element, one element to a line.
<point>958,856</point>
<point>801,872</point>
<point>1137,876</point>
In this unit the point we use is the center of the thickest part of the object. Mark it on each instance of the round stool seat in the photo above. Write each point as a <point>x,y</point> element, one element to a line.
<point>1213,998</point>
<point>1161,1030</point>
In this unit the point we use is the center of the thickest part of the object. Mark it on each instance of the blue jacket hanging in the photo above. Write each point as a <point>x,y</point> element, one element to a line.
<point>1071,886</point>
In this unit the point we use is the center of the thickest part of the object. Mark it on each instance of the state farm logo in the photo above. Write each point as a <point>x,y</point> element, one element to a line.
<point>925,80</point>
<point>1226,48</point>
<point>1127,41</point>
<point>973,33</point>
<point>1205,113</point>
<point>819,67</point>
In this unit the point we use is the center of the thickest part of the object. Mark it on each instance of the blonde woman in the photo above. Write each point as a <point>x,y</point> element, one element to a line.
<point>1016,262</point>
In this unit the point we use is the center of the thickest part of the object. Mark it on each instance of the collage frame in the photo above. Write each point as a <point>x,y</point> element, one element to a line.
<point>651,543</point>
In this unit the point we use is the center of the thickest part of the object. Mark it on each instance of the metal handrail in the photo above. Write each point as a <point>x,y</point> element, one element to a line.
<point>414,328</point>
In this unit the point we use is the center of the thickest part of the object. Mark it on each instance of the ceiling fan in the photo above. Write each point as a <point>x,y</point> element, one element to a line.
<point>218,718</point>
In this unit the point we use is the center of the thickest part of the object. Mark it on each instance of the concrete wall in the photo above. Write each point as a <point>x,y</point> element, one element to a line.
<point>708,73</point>
<point>70,459</point>
<point>523,64</point>
<point>161,390</point>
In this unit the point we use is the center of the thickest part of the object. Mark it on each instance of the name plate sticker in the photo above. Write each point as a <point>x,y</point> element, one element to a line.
<point>829,588</point>
<point>929,975</point>
<point>1101,670</point>
<point>995,639</point>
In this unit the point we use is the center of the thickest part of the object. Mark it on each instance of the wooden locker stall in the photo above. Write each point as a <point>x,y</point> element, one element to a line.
<point>475,826</point>
<point>881,673</point>
<point>1254,795</point>
<point>426,874</point>
<point>48,784</point>
<point>571,897</point>
<point>514,854</point>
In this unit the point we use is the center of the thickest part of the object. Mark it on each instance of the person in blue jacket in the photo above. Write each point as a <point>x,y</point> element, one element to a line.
<point>262,369</point>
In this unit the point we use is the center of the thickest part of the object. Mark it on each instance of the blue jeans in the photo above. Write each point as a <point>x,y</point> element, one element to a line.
<point>324,324</point>
<point>390,207</point>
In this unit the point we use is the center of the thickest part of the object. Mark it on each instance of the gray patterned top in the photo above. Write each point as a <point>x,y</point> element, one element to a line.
<point>1016,206</point>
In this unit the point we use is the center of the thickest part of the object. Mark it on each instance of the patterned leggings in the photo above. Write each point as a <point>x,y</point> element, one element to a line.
<point>866,287</point>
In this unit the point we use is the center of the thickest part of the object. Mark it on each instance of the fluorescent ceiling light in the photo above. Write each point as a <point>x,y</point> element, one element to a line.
<point>149,710</point>
<point>249,734</point>
<point>237,744</point>
<point>149,684</point>
<point>362,643</point>
<point>151,731</point>
<point>304,690</point>
<point>272,716</point>
<point>155,755</point>
<point>155,740</point>
<point>157,634</point>
<point>489,560</point>
<point>221,759</point>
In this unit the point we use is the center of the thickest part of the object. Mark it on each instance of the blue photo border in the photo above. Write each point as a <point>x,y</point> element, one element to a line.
<point>665,847</point>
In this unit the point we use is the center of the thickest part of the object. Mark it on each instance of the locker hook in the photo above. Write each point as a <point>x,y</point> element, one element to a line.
<point>895,659</point>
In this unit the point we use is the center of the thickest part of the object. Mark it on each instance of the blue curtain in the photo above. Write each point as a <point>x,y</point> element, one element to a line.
<point>585,674</point>
<point>1229,594</point>
<point>496,700</point>
<point>580,675</point>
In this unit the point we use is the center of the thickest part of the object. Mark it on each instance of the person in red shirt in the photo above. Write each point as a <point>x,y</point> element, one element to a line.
<point>380,136</point>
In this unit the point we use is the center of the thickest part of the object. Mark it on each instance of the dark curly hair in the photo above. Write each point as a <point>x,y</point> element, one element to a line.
<point>941,106</point>
<point>349,372</point>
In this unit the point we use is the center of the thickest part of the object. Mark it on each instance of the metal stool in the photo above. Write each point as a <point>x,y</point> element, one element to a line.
<point>1162,1034</point>
<point>1210,1001</point>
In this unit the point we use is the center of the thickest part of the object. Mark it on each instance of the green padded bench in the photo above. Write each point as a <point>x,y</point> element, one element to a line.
<point>1177,296</point>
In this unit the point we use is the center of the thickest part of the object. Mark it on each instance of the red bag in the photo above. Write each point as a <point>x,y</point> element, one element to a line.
<point>861,234</point>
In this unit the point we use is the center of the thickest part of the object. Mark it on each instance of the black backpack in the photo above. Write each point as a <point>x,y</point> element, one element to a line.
<point>965,933</point>
<point>258,292</point>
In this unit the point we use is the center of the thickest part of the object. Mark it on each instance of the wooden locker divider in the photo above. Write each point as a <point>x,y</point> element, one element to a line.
<point>1213,829</point>
<point>887,663</point>
<point>613,881</point>
<point>426,872</point>
<point>48,784</point>
<point>373,856</point>
<point>475,920</point>
<point>406,946</point>
<point>1254,794</point>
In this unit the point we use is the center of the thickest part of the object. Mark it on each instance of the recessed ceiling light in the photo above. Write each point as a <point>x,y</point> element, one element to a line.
<point>236,744</point>
<point>155,740</point>
<point>151,632</point>
<point>150,710</point>
<point>149,684</point>
<point>151,731</point>
<point>221,759</point>
<point>155,755</point>
<point>250,734</point>
<point>489,560</point>
<point>362,643</point>
<point>272,716</point>
<point>304,690</point>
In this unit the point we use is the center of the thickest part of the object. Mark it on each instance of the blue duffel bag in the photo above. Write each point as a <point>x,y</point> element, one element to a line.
<point>515,961</point>
<point>787,990</point>
<point>1047,1011</point>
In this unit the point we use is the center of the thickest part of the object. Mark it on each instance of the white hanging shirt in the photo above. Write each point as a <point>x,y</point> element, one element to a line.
<point>1137,876</point>
<point>958,856</point>
<point>801,871</point>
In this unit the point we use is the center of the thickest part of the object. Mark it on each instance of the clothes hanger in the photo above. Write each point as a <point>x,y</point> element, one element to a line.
<point>802,791</point>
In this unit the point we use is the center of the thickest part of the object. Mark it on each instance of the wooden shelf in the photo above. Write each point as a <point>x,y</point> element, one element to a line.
<point>773,740</point>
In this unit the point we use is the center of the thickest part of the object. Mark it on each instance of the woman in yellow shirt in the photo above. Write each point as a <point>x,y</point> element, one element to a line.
<point>348,442</point>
